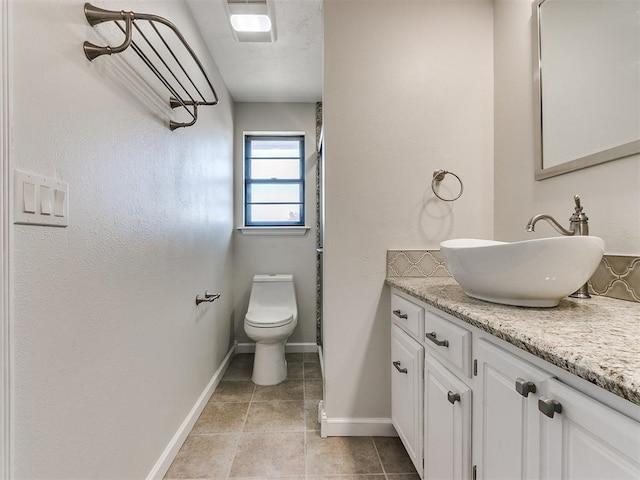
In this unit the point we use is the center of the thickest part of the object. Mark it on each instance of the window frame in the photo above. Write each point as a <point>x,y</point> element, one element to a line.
<point>248,181</point>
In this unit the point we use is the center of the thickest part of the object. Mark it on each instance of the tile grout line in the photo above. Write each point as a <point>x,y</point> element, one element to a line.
<point>375,447</point>
<point>244,422</point>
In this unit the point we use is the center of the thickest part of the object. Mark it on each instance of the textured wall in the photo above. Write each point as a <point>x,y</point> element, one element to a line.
<point>277,254</point>
<point>408,89</point>
<point>610,192</point>
<point>110,350</point>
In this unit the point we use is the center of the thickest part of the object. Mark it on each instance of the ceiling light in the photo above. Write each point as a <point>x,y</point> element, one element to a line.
<point>251,20</point>
<point>251,23</point>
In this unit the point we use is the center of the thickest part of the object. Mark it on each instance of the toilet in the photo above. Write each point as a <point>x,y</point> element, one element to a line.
<point>271,317</point>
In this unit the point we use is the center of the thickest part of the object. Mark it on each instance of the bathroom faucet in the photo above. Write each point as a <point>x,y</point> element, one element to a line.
<point>578,222</point>
<point>578,225</point>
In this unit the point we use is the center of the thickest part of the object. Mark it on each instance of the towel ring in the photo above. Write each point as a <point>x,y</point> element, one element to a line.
<point>438,176</point>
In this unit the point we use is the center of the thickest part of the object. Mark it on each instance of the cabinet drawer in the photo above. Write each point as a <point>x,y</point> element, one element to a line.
<point>448,341</point>
<point>408,315</point>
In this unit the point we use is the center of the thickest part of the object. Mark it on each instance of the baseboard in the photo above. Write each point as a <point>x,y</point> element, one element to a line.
<point>355,427</point>
<point>164,462</point>
<point>289,348</point>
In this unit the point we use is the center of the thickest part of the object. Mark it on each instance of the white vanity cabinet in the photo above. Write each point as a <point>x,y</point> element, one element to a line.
<point>583,439</point>
<point>529,425</point>
<point>406,392</point>
<point>482,409</point>
<point>447,423</point>
<point>447,399</point>
<point>507,418</point>
<point>407,357</point>
<point>445,408</point>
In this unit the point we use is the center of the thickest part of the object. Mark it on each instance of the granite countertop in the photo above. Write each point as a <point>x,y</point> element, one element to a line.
<point>596,339</point>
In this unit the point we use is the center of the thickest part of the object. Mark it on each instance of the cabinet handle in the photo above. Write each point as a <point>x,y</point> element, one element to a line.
<point>549,407</point>
<point>434,338</point>
<point>453,397</point>
<point>524,388</point>
<point>397,365</point>
<point>398,314</point>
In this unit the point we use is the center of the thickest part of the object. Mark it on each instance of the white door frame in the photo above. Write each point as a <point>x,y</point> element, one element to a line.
<point>5,236</point>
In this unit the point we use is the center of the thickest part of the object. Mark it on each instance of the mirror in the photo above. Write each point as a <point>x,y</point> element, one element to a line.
<point>588,83</point>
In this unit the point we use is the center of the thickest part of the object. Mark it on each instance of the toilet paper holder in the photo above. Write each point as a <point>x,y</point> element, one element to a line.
<point>207,297</point>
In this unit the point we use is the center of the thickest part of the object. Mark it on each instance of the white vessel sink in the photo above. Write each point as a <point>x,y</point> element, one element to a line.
<point>532,273</point>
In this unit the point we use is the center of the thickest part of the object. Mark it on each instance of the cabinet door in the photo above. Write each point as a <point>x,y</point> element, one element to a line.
<point>407,358</point>
<point>587,440</point>
<point>507,417</point>
<point>447,426</point>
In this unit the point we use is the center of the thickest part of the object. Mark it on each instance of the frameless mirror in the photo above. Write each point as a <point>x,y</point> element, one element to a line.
<point>588,83</point>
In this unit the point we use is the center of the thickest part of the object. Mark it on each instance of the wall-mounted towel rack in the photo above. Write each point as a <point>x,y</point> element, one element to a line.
<point>165,57</point>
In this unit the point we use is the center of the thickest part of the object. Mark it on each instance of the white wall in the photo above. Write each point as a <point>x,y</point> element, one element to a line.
<point>110,350</point>
<point>610,192</point>
<point>408,89</point>
<point>277,254</point>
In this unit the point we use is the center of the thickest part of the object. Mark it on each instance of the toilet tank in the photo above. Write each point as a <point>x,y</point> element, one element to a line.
<point>273,291</point>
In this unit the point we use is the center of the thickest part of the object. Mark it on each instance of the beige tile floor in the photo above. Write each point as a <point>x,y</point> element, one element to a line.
<point>249,431</point>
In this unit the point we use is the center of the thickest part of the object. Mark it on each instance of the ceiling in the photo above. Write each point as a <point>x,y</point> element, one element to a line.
<point>288,70</point>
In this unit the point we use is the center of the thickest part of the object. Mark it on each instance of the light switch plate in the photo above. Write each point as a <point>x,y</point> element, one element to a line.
<point>37,197</point>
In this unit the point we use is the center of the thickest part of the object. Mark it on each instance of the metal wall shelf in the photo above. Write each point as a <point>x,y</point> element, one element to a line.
<point>165,57</point>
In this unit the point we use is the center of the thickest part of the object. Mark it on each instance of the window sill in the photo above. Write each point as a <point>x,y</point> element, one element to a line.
<point>290,231</point>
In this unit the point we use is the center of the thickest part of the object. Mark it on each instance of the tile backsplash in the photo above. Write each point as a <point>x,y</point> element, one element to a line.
<point>617,276</point>
<point>416,263</point>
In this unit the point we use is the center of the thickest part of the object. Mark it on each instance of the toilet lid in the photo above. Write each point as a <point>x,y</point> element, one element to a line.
<point>269,317</point>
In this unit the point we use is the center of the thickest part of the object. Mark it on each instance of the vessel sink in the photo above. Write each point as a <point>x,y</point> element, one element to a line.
<point>532,273</point>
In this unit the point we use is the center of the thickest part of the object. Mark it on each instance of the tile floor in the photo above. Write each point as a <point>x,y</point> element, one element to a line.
<point>272,432</point>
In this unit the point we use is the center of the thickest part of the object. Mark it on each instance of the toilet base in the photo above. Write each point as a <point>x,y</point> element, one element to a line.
<point>269,364</point>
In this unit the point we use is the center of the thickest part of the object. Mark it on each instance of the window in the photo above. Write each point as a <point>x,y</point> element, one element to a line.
<point>273,180</point>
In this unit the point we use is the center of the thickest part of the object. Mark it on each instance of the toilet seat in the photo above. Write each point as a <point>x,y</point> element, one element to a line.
<point>269,317</point>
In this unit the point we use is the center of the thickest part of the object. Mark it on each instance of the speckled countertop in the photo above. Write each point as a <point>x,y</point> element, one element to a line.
<point>597,339</point>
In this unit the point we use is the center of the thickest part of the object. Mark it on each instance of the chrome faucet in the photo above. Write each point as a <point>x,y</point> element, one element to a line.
<point>578,225</point>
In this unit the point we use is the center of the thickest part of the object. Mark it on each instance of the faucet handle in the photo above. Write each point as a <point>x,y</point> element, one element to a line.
<point>579,219</point>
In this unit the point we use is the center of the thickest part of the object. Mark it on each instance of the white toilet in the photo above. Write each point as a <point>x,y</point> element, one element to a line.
<point>271,317</point>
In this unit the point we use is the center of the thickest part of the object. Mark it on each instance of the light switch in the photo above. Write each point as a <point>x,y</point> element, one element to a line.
<point>46,200</point>
<point>40,200</point>
<point>59,203</point>
<point>29,197</point>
